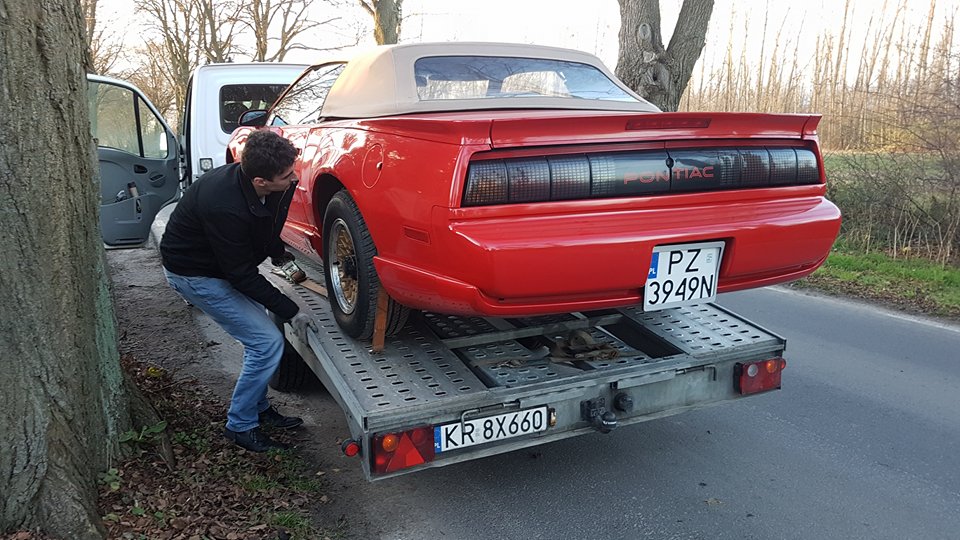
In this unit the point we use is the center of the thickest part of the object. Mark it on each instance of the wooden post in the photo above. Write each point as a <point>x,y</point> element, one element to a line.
<point>380,321</point>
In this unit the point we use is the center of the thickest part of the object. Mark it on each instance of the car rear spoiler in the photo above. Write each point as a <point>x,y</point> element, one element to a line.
<point>539,128</point>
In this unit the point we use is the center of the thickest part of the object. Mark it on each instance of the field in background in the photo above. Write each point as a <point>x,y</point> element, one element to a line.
<point>890,135</point>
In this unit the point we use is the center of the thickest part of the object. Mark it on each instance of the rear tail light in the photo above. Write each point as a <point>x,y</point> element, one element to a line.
<point>649,172</point>
<point>350,447</point>
<point>754,377</point>
<point>400,450</point>
<point>486,183</point>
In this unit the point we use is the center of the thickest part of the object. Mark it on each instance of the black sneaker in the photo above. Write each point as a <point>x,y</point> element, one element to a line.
<point>254,440</point>
<point>270,418</point>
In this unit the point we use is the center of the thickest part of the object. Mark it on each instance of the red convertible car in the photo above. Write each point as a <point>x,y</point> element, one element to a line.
<point>513,180</point>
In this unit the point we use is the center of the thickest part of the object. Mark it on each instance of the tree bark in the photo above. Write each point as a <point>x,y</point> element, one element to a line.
<point>386,19</point>
<point>62,399</point>
<point>660,75</point>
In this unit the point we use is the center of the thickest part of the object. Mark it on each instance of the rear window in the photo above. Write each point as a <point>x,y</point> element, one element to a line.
<point>493,77</point>
<point>236,99</point>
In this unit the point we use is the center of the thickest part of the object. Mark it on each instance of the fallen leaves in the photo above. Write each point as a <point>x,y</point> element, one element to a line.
<point>217,490</point>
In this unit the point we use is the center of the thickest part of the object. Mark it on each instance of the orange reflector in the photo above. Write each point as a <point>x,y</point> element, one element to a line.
<point>390,442</point>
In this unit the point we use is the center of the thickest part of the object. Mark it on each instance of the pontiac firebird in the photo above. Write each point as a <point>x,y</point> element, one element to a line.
<point>515,180</point>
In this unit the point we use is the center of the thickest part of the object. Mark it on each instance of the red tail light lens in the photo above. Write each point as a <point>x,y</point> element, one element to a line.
<point>486,184</point>
<point>350,447</point>
<point>754,377</point>
<point>395,451</point>
<point>639,173</point>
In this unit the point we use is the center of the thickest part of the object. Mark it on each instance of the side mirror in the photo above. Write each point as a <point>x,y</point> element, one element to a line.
<point>254,118</point>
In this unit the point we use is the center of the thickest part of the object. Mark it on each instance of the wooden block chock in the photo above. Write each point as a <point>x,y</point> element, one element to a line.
<point>380,321</point>
<point>314,286</point>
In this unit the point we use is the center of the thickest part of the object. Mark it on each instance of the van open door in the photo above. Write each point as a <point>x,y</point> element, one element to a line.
<point>139,160</point>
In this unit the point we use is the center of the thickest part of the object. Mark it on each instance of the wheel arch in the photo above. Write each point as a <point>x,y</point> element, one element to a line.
<point>324,188</point>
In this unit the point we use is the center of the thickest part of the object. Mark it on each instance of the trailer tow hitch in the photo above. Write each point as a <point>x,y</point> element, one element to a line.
<point>595,412</point>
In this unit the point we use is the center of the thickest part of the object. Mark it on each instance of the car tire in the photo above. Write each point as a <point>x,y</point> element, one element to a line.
<point>292,373</point>
<point>352,282</point>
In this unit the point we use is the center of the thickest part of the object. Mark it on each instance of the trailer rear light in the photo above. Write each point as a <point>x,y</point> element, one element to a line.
<point>350,447</point>
<point>754,377</point>
<point>400,450</point>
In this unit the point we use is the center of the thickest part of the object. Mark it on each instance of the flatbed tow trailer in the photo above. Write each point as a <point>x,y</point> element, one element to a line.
<point>448,389</point>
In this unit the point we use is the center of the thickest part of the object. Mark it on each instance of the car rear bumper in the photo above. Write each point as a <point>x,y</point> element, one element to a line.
<point>516,266</point>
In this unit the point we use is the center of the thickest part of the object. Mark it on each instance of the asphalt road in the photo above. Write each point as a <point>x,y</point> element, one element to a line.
<point>862,442</point>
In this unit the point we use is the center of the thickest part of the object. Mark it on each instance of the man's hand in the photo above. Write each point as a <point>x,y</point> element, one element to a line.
<point>300,322</point>
<point>282,259</point>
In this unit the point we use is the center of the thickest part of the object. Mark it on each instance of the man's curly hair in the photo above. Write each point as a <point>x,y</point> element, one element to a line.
<point>266,155</point>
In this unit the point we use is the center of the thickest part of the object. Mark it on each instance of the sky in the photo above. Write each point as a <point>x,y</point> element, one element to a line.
<point>588,25</point>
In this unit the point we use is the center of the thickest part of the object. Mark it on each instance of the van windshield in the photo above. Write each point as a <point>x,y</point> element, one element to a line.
<point>236,99</point>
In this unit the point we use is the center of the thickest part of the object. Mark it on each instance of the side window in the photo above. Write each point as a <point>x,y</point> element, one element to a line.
<point>303,103</point>
<point>112,120</point>
<point>153,135</point>
<point>120,119</point>
<point>236,99</point>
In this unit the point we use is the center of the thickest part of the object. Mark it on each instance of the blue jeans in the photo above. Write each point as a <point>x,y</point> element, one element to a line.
<point>248,322</point>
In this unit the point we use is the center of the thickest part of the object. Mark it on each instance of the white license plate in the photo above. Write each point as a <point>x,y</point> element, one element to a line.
<point>457,435</point>
<point>682,275</point>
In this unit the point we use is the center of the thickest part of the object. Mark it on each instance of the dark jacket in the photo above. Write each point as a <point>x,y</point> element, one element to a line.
<point>220,229</point>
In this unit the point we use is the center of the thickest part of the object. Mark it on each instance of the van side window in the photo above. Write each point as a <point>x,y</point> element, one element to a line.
<point>121,120</point>
<point>303,103</point>
<point>236,99</point>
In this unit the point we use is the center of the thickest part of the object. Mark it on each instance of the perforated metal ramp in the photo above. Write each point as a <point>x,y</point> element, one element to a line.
<point>417,367</point>
<point>502,363</point>
<point>413,369</point>
<point>704,329</point>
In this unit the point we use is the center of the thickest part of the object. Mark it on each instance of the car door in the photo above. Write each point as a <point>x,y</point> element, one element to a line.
<point>295,116</point>
<point>139,160</point>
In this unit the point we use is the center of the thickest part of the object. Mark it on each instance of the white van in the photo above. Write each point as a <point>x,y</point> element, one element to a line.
<point>140,159</point>
<point>217,95</point>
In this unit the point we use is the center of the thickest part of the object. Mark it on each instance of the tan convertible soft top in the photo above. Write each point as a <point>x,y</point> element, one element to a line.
<point>381,82</point>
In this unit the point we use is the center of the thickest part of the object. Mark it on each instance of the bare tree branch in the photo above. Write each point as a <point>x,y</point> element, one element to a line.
<point>219,20</point>
<point>266,18</point>
<point>103,47</point>
<point>178,26</point>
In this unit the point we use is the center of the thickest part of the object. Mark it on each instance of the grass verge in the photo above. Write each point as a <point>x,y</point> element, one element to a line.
<point>911,284</point>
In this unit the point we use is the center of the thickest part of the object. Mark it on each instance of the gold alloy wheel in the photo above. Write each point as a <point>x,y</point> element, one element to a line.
<point>343,267</point>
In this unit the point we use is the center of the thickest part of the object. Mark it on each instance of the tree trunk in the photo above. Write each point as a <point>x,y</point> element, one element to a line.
<point>62,399</point>
<point>660,75</point>
<point>386,19</point>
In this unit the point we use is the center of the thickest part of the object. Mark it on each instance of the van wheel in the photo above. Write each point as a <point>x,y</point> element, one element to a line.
<point>292,373</point>
<point>352,282</point>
